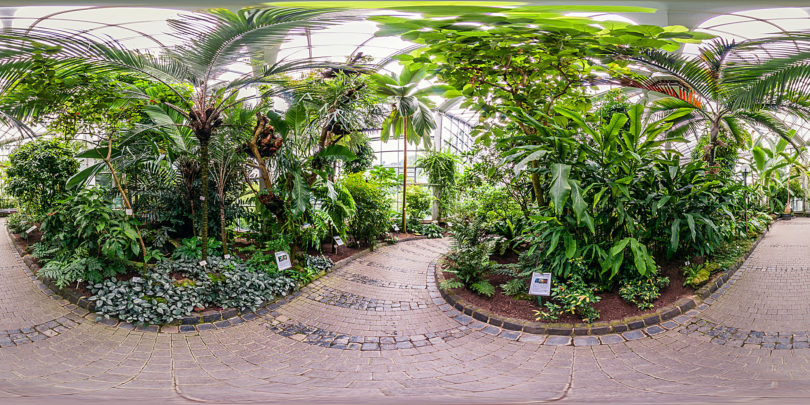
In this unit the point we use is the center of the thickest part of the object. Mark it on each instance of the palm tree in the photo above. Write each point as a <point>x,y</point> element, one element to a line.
<point>727,86</point>
<point>411,114</point>
<point>212,42</point>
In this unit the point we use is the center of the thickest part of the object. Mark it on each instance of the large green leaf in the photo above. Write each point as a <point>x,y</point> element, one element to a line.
<point>80,178</point>
<point>639,258</point>
<point>577,200</point>
<point>560,188</point>
<point>300,194</point>
<point>675,234</point>
<point>690,220</point>
<point>338,151</point>
<point>570,246</point>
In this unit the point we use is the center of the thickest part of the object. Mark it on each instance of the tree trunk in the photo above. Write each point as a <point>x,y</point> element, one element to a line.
<point>714,132</point>
<point>127,204</point>
<point>204,197</point>
<point>536,186</point>
<point>222,232</point>
<point>404,172</point>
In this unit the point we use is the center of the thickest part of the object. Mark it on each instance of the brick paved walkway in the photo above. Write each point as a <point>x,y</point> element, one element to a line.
<point>374,332</point>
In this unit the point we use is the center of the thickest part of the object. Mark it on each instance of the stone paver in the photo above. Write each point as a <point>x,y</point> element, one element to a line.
<point>312,351</point>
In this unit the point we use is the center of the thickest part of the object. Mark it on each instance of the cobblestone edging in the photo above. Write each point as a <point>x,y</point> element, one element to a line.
<point>16,337</point>
<point>682,306</point>
<point>730,336</point>
<point>207,320</point>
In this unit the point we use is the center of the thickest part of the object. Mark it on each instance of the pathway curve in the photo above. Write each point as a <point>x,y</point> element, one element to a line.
<point>375,331</point>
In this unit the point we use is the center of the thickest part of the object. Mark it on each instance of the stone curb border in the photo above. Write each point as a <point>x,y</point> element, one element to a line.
<point>680,307</point>
<point>207,320</point>
<point>17,337</point>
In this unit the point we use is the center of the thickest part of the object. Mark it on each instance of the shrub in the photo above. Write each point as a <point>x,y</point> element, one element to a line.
<point>320,263</point>
<point>154,299</point>
<point>573,296</point>
<point>419,202</point>
<point>697,274</point>
<point>469,258</point>
<point>37,173</point>
<point>510,233</point>
<point>65,269</point>
<point>19,222</point>
<point>432,231</point>
<point>371,202</point>
<point>191,248</point>
<point>643,291</point>
<point>157,299</point>
<point>236,287</point>
<point>520,272</point>
<point>442,171</point>
<point>84,226</point>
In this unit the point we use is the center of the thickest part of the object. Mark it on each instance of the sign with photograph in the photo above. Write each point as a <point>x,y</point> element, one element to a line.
<point>283,260</point>
<point>339,241</point>
<point>540,284</point>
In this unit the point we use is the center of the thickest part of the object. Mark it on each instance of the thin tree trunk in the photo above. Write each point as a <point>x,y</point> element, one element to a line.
<point>204,197</point>
<point>404,172</point>
<point>222,233</point>
<point>127,204</point>
<point>714,132</point>
<point>536,185</point>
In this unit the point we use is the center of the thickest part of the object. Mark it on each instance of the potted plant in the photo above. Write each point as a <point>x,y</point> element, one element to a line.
<point>787,213</point>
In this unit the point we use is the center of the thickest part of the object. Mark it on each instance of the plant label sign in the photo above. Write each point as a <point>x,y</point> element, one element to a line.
<point>338,241</point>
<point>540,284</point>
<point>227,257</point>
<point>129,212</point>
<point>396,228</point>
<point>283,260</point>
<point>31,229</point>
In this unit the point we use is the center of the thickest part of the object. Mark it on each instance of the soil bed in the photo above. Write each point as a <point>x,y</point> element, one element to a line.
<point>611,306</point>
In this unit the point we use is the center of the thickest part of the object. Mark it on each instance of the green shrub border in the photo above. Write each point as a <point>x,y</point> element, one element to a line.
<point>679,307</point>
<point>199,321</point>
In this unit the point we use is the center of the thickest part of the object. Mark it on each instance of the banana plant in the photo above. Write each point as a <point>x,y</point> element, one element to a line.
<point>774,167</point>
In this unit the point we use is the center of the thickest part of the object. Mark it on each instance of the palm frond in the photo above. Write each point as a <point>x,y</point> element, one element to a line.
<point>770,122</point>
<point>218,37</point>
<point>688,73</point>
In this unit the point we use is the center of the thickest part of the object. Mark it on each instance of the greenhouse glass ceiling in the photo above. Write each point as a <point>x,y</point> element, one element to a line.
<point>146,28</point>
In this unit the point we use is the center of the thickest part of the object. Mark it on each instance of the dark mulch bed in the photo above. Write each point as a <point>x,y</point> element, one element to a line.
<point>611,306</point>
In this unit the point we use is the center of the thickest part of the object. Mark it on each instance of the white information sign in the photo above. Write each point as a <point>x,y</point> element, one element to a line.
<point>339,241</point>
<point>203,263</point>
<point>202,198</point>
<point>396,228</point>
<point>129,212</point>
<point>31,229</point>
<point>540,284</point>
<point>227,257</point>
<point>283,260</point>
